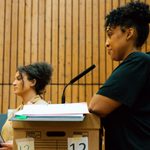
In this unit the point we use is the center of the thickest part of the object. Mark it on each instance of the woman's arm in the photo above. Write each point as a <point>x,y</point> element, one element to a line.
<point>7,145</point>
<point>102,105</point>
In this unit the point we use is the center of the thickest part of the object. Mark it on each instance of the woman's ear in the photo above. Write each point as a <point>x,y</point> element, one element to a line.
<point>130,33</point>
<point>33,82</point>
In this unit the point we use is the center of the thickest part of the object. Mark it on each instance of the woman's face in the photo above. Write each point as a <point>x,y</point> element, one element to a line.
<point>21,84</point>
<point>116,43</point>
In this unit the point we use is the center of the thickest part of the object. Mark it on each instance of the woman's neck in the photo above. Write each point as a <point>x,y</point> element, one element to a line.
<point>28,97</point>
<point>130,51</point>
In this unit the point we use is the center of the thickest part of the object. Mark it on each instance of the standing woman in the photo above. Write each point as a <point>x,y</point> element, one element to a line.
<point>123,102</point>
<point>30,82</point>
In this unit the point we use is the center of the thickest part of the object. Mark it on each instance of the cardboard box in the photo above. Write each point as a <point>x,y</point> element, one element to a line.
<point>53,135</point>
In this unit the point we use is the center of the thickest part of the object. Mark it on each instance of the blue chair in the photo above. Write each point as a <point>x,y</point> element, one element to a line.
<point>3,118</point>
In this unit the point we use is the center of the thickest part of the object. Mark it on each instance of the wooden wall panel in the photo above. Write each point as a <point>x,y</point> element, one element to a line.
<point>61,47</point>
<point>28,31</point>
<point>34,31</point>
<point>88,47</point>
<point>21,33</point>
<point>6,55</point>
<point>69,34</point>
<point>48,40</point>
<point>2,14</point>
<point>102,51</point>
<point>81,48</point>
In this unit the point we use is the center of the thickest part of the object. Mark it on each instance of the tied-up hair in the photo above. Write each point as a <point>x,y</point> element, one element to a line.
<point>41,72</point>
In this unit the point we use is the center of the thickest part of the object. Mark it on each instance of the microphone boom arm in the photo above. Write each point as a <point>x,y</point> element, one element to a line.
<point>75,79</point>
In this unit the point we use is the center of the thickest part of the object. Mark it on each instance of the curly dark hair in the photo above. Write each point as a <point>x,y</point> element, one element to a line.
<point>134,14</point>
<point>41,72</point>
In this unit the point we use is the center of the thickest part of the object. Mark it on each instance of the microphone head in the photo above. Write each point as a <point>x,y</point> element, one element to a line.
<point>93,66</point>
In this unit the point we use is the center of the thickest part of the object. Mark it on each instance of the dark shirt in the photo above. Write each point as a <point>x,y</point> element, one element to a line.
<point>128,127</point>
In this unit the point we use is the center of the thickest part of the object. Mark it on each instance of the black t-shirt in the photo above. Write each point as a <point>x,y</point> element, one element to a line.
<point>128,127</point>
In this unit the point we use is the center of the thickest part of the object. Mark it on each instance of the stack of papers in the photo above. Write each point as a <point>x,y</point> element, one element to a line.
<point>52,112</point>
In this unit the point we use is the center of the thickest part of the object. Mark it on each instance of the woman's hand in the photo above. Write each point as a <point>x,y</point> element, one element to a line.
<point>7,145</point>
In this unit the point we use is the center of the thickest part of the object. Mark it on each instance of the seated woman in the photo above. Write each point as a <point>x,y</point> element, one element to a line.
<point>30,82</point>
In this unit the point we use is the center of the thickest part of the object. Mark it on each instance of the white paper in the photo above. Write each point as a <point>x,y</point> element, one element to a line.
<point>54,109</point>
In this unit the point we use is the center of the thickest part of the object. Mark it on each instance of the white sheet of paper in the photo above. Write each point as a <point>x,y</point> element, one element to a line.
<point>54,109</point>
<point>25,144</point>
<point>78,143</point>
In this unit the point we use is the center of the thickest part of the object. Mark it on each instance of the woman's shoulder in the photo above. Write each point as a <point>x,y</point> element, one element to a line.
<point>41,101</point>
<point>148,53</point>
<point>38,100</point>
<point>139,56</point>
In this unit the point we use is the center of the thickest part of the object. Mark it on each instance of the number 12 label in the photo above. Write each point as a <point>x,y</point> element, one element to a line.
<point>78,143</point>
<point>25,144</point>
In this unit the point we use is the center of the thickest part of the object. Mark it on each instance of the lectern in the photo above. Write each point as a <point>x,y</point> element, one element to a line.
<point>53,135</point>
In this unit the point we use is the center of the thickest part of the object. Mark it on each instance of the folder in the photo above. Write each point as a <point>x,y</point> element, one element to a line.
<point>52,112</point>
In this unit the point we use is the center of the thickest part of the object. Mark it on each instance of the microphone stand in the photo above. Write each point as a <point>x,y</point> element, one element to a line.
<point>75,79</point>
<point>63,95</point>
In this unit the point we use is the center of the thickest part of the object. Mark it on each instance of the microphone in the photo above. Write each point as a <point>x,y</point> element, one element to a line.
<point>75,79</point>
